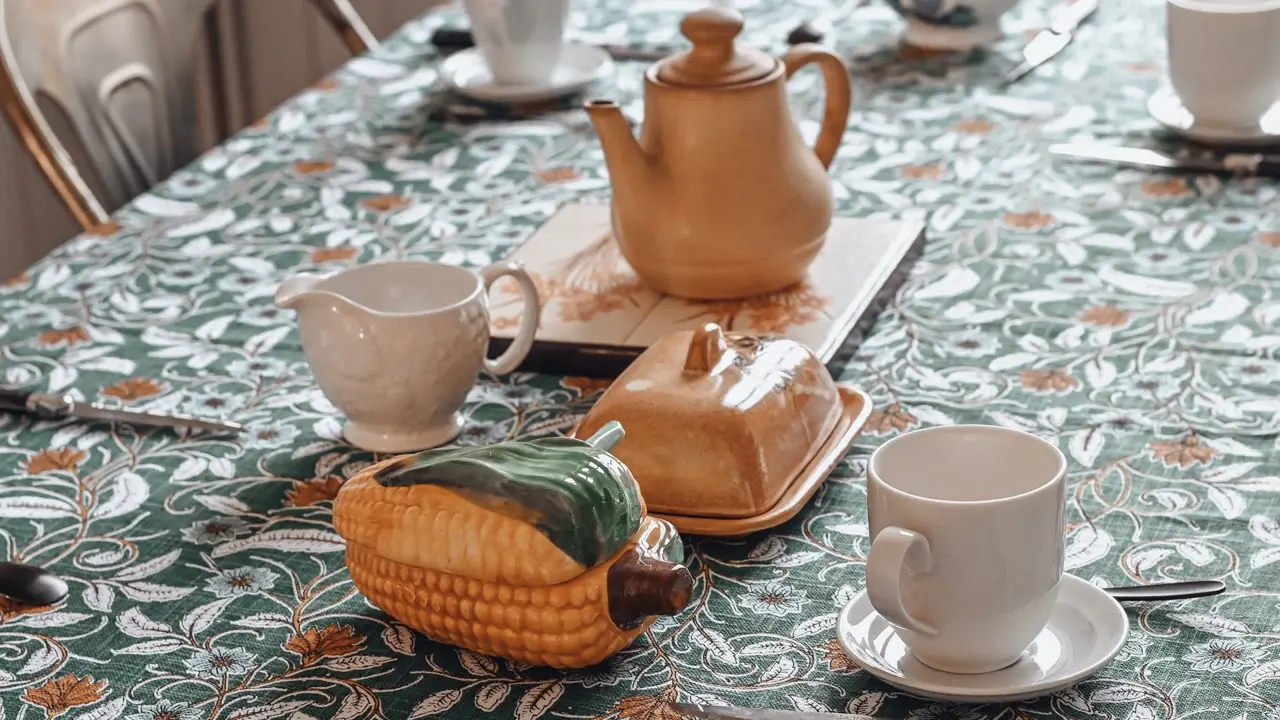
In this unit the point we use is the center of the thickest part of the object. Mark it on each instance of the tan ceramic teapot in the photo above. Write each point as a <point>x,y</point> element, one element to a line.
<point>720,197</point>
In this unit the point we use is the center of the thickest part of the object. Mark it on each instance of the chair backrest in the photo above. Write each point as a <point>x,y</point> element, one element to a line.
<point>123,74</point>
<point>122,71</point>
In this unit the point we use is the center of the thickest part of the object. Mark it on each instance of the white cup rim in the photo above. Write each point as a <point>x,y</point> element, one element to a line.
<point>1057,477</point>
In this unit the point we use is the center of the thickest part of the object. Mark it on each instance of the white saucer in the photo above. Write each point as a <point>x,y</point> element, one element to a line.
<point>580,65</point>
<point>1166,108</point>
<point>1087,629</point>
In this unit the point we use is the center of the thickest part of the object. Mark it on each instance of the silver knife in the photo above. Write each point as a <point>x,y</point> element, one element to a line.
<point>1230,163</point>
<point>1051,41</point>
<point>62,406</point>
<point>722,712</point>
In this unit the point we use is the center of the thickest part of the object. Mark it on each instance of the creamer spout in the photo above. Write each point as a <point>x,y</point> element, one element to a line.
<point>293,291</point>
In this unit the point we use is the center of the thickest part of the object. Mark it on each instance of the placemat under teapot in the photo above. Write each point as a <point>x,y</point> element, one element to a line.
<point>597,316</point>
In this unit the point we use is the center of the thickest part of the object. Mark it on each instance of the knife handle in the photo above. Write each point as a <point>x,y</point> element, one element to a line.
<point>14,401</point>
<point>446,38</point>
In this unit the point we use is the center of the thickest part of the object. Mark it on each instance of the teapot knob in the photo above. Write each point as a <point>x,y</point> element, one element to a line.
<point>712,28</point>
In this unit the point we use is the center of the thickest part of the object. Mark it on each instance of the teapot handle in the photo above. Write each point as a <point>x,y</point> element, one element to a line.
<point>839,94</point>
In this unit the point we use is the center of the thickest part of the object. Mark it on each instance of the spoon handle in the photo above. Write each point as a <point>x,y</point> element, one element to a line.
<point>1168,591</point>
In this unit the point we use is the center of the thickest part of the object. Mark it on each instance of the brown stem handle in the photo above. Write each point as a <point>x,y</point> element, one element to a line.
<point>839,94</point>
<point>642,587</point>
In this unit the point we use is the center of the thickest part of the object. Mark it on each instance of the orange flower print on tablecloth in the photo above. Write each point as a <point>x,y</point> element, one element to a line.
<point>325,84</point>
<point>55,337</point>
<point>1055,380</point>
<point>1183,453</point>
<point>835,657</point>
<point>892,419</point>
<point>1104,316</point>
<point>1033,220</point>
<point>585,385</point>
<point>65,459</point>
<point>308,167</point>
<point>323,255</point>
<point>134,388</point>
<point>10,609</point>
<point>645,707</point>
<point>557,174</point>
<point>931,171</point>
<point>313,492</point>
<point>385,203</point>
<point>16,281</point>
<point>328,641</point>
<point>976,126</point>
<point>1174,187</point>
<point>63,693</point>
<point>1270,238</point>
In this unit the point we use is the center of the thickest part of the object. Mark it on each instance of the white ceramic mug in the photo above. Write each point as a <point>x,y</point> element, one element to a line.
<point>396,346</point>
<point>1224,59</point>
<point>520,40</point>
<point>968,542</point>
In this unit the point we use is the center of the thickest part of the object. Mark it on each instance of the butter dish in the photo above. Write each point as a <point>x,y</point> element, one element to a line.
<point>728,433</point>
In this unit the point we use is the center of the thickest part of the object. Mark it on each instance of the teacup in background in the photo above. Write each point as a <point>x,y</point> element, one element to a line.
<point>968,547</point>
<point>521,40</point>
<point>952,24</point>
<point>1224,59</point>
<point>396,346</point>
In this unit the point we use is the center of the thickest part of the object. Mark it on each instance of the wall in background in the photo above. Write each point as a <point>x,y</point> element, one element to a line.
<point>270,48</point>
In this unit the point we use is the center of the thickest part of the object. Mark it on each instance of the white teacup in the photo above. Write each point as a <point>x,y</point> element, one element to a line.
<point>396,346</point>
<point>968,542</point>
<point>1224,59</point>
<point>520,40</point>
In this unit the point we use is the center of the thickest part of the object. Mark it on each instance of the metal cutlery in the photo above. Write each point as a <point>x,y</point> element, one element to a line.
<point>1204,161</point>
<point>1052,40</point>
<point>1167,591</point>
<point>724,712</point>
<point>31,585</point>
<point>48,406</point>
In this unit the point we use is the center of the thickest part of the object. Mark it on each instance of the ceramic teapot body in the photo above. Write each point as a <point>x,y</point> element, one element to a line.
<point>721,197</point>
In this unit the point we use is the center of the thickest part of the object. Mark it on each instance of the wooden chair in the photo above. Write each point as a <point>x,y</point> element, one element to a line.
<point>123,72</point>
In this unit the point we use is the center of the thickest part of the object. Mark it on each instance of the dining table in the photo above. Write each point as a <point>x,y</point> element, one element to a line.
<point>1130,316</point>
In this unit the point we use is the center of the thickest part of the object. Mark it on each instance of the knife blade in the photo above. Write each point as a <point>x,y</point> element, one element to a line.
<point>723,712</point>
<point>50,406</point>
<point>1227,164</point>
<point>1051,41</point>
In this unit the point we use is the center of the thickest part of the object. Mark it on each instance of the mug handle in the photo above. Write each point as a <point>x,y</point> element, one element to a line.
<point>893,551</point>
<point>839,94</point>
<point>523,341</point>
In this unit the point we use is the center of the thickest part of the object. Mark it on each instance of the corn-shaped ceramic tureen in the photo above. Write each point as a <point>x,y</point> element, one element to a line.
<point>537,551</point>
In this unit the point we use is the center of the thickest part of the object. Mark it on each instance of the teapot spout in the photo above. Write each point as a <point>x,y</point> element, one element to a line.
<point>627,162</point>
<point>293,291</point>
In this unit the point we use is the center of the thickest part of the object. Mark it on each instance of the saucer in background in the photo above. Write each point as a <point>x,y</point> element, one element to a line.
<point>1167,109</point>
<point>580,65</point>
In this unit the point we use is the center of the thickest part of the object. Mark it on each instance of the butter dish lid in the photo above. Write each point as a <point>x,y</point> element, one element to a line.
<point>716,59</point>
<point>718,425</point>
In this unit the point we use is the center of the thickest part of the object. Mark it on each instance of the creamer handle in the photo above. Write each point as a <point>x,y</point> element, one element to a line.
<point>523,341</point>
<point>839,94</point>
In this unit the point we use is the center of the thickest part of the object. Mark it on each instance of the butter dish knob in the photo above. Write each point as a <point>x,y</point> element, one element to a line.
<point>607,436</point>
<point>705,349</point>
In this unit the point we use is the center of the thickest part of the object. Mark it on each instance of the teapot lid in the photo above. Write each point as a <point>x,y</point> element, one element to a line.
<point>716,58</point>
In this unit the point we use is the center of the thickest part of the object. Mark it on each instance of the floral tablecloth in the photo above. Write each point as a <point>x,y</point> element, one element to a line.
<point>1133,317</point>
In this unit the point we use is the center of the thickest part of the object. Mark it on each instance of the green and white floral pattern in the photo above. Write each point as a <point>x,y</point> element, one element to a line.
<point>1132,317</point>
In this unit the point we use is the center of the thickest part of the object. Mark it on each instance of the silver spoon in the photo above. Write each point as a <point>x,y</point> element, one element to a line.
<point>1168,591</point>
<point>31,585</point>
